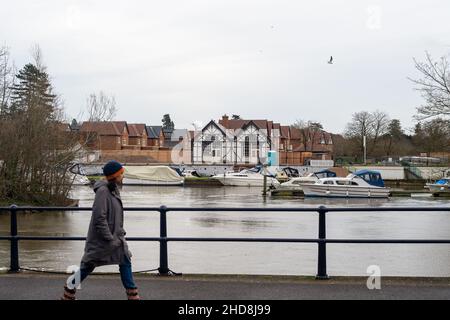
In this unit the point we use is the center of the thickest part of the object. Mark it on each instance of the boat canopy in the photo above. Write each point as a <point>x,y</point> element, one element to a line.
<point>260,169</point>
<point>443,181</point>
<point>325,174</point>
<point>371,177</point>
<point>154,173</point>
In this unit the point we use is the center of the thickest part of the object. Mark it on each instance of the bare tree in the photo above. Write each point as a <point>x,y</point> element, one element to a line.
<point>101,107</point>
<point>380,127</point>
<point>309,131</point>
<point>38,57</point>
<point>371,125</point>
<point>360,126</point>
<point>6,77</point>
<point>434,87</point>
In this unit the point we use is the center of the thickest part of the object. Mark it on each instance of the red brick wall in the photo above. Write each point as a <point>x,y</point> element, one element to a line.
<point>109,143</point>
<point>295,158</point>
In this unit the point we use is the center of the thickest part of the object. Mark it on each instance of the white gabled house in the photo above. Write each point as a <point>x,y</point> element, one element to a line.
<point>216,144</point>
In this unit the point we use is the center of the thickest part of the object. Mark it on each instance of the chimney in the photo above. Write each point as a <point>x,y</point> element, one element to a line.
<point>224,121</point>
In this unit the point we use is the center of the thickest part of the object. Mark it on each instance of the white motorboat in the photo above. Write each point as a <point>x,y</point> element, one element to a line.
<point>361,184</point>
<point>295,184</point>
<point>440,186</point>
<point>246,178</point>
<point>151,176</point>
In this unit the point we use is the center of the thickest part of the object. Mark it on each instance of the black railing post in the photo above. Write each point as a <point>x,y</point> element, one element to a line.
<point>14,267</point>
<point>322,255</point>
<point>163,255</point>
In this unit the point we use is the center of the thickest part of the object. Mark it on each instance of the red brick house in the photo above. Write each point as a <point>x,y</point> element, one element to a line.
<point>137,135</point>
<point>155,136</point>
<point>104,135</point>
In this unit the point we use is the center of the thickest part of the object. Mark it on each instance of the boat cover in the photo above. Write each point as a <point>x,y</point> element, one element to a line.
<point>371,177</point>
<point>153,173</point>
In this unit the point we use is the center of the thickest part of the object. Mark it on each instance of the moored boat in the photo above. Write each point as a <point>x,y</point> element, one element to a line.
<point>295,184</point>
<point>361,184</point>
<point>151,176</point>
<point>441,186</point>
<point>246,178</point>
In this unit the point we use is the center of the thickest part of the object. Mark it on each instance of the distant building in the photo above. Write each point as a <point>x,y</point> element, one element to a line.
<point>104,135</point>
<point>155,136</point>
<point>239,141</point>
<point>137,135</point>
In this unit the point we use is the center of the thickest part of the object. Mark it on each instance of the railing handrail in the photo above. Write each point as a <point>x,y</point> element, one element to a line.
<point>163,239</point>
<point>240,209</point>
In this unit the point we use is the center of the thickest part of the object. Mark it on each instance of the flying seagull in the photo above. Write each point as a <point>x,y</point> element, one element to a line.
<point>331,60</point>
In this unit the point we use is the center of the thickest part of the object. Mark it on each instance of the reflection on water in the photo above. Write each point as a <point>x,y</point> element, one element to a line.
<point>247,258</point>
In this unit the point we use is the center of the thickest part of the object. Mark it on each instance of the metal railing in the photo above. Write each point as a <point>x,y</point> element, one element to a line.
<point>163,239</point>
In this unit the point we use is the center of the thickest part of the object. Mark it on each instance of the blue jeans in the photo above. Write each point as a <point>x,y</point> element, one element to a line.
<point>126,274</point>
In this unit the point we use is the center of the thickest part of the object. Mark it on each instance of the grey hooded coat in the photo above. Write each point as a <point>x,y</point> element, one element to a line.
<point>106,244</point>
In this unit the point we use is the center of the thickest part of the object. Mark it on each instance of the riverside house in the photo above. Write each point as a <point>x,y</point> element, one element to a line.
<point>104,135</point>
<point>241,141</point>
<point>137,137</point>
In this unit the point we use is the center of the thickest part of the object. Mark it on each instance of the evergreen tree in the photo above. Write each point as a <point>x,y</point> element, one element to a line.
<point>33,90</point>
<point>395,129</point>
<point>167,123</point>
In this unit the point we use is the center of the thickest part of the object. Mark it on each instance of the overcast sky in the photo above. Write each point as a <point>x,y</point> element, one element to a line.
<point>261,59</point>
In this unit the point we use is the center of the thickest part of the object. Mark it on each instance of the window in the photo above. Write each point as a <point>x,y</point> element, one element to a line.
<point>247,147</point>
<point>328,182</point>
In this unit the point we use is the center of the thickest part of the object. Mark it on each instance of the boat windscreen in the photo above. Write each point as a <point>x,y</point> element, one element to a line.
<point>325,174</point>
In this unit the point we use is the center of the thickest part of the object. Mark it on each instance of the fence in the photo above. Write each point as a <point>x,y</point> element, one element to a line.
<point>163,238</point>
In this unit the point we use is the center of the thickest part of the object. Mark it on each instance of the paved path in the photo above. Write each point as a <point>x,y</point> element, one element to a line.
<point>196,287</point>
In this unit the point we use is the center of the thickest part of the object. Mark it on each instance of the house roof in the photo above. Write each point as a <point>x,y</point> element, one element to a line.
<point>105,128</point>
<point>136,129</point>
<point>296,133</point>
<point>153,132</point>
<point>284,131</point>
<point>217,125</point>
<point>240,123</point>
<point>179,133</point>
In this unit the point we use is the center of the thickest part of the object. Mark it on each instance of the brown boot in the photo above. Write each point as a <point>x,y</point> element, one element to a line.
<point>133,294</point>
<point>69,294</point>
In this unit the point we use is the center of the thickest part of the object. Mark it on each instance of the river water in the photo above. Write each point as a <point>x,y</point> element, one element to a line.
<point>247,258</point>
